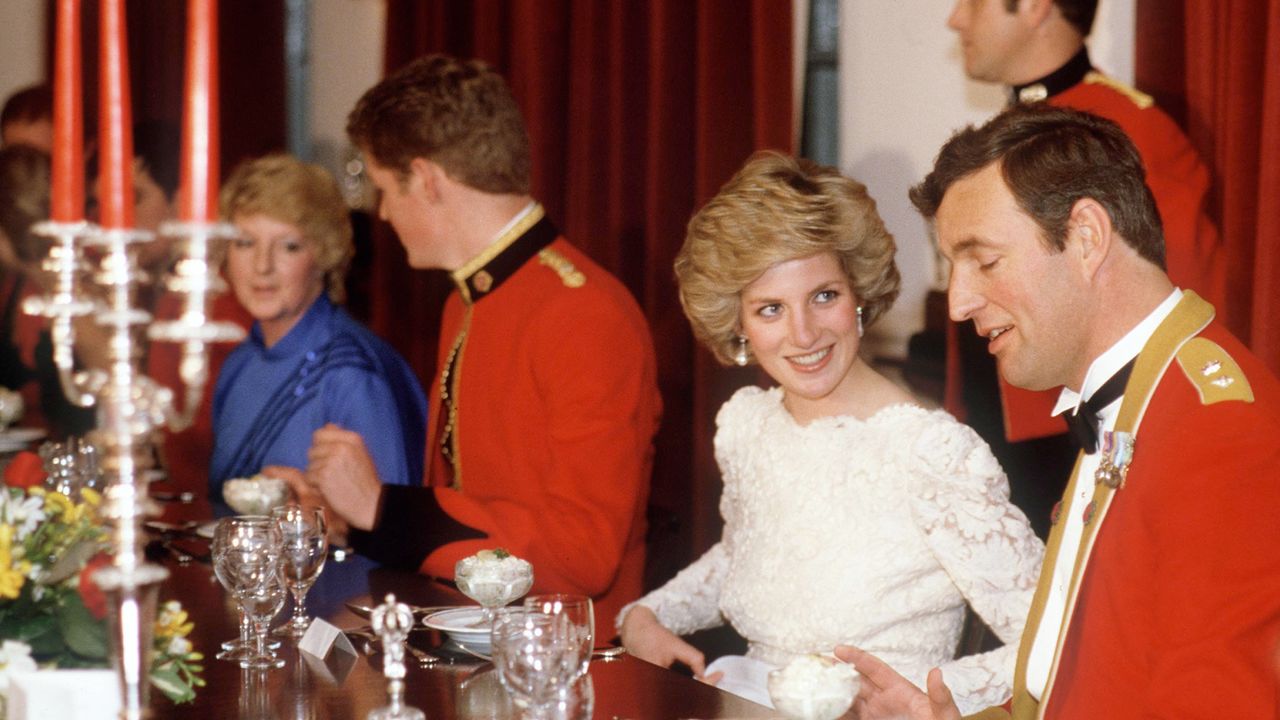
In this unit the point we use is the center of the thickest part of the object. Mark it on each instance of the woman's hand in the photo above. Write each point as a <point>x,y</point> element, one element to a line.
<point>646,638</point>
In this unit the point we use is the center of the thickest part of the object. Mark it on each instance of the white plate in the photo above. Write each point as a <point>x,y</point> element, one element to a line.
<point>19,438</point>
<point>205,530</point>
<point>465,625</point>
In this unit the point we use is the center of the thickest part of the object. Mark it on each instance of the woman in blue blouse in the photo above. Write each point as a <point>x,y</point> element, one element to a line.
<point>306,362</point>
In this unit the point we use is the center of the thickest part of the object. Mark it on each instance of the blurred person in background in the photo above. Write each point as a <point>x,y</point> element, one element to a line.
<point>306,363</point>
<point>27,118</point>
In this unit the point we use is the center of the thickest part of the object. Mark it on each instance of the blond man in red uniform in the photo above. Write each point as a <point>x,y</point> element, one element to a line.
<point>542,418</point>
<point>1160,593</point>
<point>1037,49</point>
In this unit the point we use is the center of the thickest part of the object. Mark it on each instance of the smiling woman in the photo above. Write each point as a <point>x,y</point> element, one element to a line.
<point>852,514</point>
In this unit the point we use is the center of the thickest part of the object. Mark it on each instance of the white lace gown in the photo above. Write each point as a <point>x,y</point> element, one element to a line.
<point>866,532</point>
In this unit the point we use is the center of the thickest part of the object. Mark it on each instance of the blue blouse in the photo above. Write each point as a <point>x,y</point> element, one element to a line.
<point>328,369</point>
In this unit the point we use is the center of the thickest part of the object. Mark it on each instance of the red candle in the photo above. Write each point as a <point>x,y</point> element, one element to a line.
<point>115,124</point>
<point>67,199</point>
<point>198,194</point>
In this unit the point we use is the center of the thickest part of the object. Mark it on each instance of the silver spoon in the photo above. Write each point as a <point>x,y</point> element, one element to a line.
<point>419,612</point>
<point>369,647</point>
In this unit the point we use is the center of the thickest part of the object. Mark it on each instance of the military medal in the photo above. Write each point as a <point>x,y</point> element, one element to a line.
<point>1117,453</point>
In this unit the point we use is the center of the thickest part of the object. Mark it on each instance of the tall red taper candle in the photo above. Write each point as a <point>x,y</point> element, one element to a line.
<point>115,125</point>
<point>198,193</point>
<point>67,198</point>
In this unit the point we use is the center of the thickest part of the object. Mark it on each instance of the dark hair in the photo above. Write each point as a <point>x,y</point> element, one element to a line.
<point>157,144</point>
<point>28,105</point>
<point>24,197</point>
<point>1051,157</point>
<point>458,113</point>
<point>1079,13</point>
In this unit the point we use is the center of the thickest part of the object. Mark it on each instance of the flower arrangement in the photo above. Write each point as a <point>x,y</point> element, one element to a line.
<point>52,614</point>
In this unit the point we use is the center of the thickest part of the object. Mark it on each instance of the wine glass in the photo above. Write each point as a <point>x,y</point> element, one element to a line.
<point>250,568</point>
<point>241,647</point>
<point>573,621</point>
<point>533,661</point>
<point>305,546</point>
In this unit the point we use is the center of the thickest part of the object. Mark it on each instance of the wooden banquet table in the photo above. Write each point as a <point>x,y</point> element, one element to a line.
<point>460,687</point>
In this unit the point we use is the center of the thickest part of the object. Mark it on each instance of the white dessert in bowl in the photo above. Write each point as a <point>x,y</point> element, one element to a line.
<point>493,578</point>
<point>813,687</point>
<point>11,407</point>
<point>255,495</point>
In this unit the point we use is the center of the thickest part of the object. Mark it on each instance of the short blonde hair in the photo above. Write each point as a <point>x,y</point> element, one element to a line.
<point>303,195</point>
<point>776,209</point>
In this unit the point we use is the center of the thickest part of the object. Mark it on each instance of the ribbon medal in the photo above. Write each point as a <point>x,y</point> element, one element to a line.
<point>1117,453</point>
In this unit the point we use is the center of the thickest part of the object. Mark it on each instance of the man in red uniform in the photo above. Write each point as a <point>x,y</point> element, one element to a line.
<point>1037,49</point>
<point>1160,594</point>
<point>542,419</point>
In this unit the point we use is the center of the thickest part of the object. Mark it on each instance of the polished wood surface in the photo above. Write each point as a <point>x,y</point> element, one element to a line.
<point>464,687</point>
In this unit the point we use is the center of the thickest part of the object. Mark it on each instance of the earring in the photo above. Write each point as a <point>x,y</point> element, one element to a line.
<point>740,357</point>
<point>859,321</point>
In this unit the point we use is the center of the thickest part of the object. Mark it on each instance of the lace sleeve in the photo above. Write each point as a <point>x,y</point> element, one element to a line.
<point>691,600</point>
<point>960,500</point>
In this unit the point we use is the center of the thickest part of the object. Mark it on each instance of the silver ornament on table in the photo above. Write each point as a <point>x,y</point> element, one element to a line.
<point>392,622</point>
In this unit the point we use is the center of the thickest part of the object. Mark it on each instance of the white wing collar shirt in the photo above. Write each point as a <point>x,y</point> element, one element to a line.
<point>1103,367</point>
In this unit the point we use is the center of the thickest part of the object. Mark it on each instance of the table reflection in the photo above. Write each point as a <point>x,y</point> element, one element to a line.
<point>458,686</point>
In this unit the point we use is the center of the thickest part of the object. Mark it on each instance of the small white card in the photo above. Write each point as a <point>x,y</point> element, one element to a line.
<point>64,695</point>
<point>327,651</point>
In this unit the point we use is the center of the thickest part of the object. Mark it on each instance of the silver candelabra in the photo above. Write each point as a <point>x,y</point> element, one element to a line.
<point>130,405</point>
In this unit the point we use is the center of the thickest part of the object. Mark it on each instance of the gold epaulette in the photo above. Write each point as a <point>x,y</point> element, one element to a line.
<point>569,274</point>
<point>1213,372</point>
<point>1138,97</point>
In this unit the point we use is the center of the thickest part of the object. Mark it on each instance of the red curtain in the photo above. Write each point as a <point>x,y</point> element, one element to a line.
<point>1216,65</point>
<point>638,111</point>
<point>251,70</point>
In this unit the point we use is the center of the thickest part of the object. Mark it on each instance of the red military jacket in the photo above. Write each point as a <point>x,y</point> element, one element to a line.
<point>1174,606</point>
<point>541,425</point>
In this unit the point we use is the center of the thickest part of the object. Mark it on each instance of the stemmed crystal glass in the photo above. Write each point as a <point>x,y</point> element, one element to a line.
<point>533,661</point>
<point>248,564</point>
<point>240,647</point>
<point>305,545</point>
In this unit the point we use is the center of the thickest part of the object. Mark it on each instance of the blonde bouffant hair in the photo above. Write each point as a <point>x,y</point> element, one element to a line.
<point>776,209</point>
<point>303,195</point>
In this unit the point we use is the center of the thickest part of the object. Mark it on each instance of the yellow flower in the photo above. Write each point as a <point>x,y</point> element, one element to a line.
<point>11,576</point>
<point>172,622</point>
<point>90,497</point>
<point>55,503</point>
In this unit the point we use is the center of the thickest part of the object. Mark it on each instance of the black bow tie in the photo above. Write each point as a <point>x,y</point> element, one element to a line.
<point>1084,423</point>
